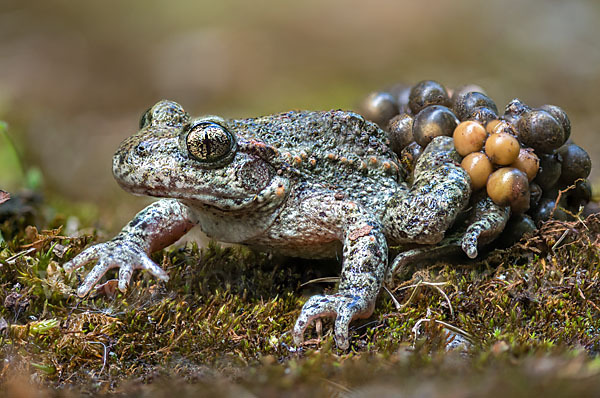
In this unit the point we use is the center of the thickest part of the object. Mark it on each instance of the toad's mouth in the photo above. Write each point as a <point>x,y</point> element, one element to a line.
<point>267,199</point>
<point>271,196</point>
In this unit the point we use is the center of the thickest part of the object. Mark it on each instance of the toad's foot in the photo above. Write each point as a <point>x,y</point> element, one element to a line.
<point>345,308</point>
<point>407,262</point>
<point>363,268</point>
<point>485,222</point>
<point>119,252</point>
<point>153,228</point>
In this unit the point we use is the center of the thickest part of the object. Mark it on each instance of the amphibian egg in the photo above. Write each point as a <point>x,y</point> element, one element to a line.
<point>426,93</point>
<point>527,162</point>
<point>502,148</point>
<point>433,121</point>
<point>469,136</point>
<point>479,168</point>
<point>380,107</point>
<point>464,104</point>
<point>539,130</point>
<point>508,186</point>
<point>400,132</point>
<point>576,163</point>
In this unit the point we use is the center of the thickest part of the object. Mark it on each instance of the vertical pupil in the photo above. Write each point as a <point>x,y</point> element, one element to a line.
<point>209,142</point>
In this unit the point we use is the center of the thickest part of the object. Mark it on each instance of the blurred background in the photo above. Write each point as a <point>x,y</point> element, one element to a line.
<point>75,76</point>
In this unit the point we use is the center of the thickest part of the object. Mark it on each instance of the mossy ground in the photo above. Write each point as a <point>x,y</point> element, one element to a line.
<point>521,321</point>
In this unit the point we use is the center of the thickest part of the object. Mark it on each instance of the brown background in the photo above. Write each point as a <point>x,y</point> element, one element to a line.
<point>75,76</point>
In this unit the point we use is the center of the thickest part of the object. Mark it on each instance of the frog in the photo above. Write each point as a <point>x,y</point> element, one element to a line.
<point>312,184</point>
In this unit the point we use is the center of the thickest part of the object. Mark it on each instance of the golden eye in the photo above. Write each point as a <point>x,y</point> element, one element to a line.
<point>209,142</point>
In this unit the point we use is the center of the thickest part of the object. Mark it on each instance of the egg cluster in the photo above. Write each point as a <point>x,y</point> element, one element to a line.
<point>522,158</point>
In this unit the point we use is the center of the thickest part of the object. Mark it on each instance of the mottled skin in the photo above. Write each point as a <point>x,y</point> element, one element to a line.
<point>300,183</point>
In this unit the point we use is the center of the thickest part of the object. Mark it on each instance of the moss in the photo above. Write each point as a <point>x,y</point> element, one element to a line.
<point>529,315</point>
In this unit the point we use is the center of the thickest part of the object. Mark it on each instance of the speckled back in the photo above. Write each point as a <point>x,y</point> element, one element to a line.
<point>330,147</point>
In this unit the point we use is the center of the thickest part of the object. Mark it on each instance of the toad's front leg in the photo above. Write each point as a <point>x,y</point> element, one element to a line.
<point>363,268</point>
<point>155,227</point>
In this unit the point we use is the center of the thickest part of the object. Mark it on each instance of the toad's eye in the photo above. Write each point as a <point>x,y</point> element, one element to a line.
<point>209,142</point>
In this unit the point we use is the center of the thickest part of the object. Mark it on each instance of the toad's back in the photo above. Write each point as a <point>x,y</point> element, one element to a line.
<point>337,150</point>
<point>324,144</point>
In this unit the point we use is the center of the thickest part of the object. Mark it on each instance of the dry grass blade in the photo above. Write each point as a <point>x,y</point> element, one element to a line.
<point>337,386</point>
<point>559,241</point>
<point>394,299</point>
<point>435,285</point>
<point>104,356</point>
<point>13,258</point>
<point>329,279</point>
<point>469,337</point>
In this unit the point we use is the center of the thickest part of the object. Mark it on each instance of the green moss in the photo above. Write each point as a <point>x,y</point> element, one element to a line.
<point>224,317</point>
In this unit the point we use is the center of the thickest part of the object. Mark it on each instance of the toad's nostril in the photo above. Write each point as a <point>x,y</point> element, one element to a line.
<point>142,149</point>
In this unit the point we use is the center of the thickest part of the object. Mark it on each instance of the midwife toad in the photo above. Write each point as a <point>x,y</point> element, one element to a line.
<point>301,183</point>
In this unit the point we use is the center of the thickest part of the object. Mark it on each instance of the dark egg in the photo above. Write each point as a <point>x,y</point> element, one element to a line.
<point>433,121</point>
<point>426,93</point>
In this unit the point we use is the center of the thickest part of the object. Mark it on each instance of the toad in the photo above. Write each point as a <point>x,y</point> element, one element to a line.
<point>303,183</point>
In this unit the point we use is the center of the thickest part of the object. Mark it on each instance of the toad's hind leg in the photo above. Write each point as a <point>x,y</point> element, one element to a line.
<point>364,264</point>
<point>484,223</point>
<point>440,191</point>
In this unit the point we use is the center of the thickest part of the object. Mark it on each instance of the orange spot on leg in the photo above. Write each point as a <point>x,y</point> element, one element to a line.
<point>359,233</point>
